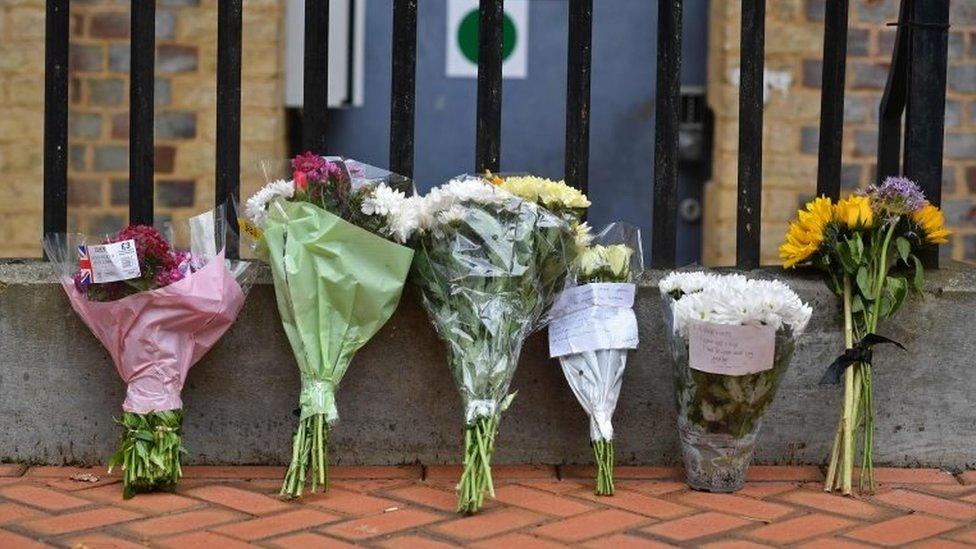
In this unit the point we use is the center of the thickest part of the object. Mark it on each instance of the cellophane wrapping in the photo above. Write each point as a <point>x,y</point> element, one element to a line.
<point>156,327</point>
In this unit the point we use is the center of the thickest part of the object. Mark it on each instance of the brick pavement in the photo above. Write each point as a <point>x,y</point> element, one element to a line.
<point>536,506</point>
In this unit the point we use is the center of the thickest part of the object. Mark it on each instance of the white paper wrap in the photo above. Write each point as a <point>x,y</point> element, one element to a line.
<point>593,317</point>
<point>595,378</point>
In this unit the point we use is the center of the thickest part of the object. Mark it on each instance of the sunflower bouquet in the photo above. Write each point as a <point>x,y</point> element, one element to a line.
<point>860,242</point>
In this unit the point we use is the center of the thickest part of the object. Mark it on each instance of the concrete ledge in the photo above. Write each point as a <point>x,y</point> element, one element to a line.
<point>398,405</point>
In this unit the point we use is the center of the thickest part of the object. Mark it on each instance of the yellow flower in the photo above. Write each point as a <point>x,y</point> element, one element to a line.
<point>607,263</point>
<point>805,235</point>
<point>855,212</point>
<point>551,194</point>
<point>932,222</point>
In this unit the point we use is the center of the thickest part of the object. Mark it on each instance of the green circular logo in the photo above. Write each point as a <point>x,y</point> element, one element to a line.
<point>467,36</point>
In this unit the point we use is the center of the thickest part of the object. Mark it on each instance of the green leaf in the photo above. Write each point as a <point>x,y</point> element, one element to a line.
<point>898,289</point>
<point>857,304</point>
<point>863,282</point>
<point>904,248</point>
<point>918,281</point>
<point>857,247</point>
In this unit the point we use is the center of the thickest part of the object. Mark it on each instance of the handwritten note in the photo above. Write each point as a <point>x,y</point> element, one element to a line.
<point>731,350</point>
<point>593,316</point>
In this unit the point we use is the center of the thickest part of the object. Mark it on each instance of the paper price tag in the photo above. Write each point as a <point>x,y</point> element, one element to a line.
<point>730,350</point>
<point>116,261</point>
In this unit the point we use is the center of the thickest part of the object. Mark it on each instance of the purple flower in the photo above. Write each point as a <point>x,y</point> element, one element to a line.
<point>897,195</point>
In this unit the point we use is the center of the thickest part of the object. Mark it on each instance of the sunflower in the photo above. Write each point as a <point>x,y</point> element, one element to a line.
<point>855,212</point>
<point>932,222</point>
<point>805,235</point>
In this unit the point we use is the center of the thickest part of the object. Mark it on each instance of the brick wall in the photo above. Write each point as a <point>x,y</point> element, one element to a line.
<point>99,117</point>
<point>794,46</point>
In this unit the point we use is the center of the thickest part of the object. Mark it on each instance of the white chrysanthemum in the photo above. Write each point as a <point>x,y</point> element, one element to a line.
<point>256,207</point>
<point>382,200</point>
<point>733,299</point>
<point>452,194</point>
<point>583,235</point>
<point>401,212</point>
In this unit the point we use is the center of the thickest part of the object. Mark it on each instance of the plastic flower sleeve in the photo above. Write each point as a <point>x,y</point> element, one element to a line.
<point>593,327</point>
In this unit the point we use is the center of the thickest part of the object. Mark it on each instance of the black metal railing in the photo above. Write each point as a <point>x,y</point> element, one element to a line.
<point>916,87</point>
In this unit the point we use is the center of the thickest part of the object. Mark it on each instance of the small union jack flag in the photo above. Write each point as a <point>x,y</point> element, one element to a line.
<point>84,266</point>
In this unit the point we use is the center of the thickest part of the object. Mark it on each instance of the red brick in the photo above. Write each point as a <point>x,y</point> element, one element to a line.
<point>488,524</point>
<point>236,472</point>
<point>523,472</point>
<point>540,501</point>
<point>370,485</point>
<point>101,541</point>
<point>893,475</point>
<point>800,528</point>
<point>308,540</point>
<point>45,498</point>
<point>242,500</point>
<point>936,543</point>
<point>741,506</point>
<point>10,539</point>
<point>735,544</point>
<point>50,471</point>
<point>696,526</point>
<point>967,536</point>
<point>350,503</point>
<point>832,543</point>
<point>764,473</point>
<point>764,490</point>
<point>11,512</point>
<point>12,469</point>
<point>413,472</point>
<point>202,539</point>
<point>442,472</point>
<point>151,503</point>
<point>902,530</point>
<point>650,487</point>
<point>380,525</point>
<point>639,503</point>
<point>82,520</point>
<point>932,505</point>
<point>945,490</point>
<point>428,497</point>
<point>274,525</point>
<point>558,486</point>
<point>627,541</point>
<point>968,477</point>
<point>517,541</point>
<point>415,542</point>
<point>623,472</point>
<point>167,525</point>
<point>590,525</point>
<point>835,503</point>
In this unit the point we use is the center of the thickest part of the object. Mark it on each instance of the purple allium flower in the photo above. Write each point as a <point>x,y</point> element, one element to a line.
<point>897,195</point>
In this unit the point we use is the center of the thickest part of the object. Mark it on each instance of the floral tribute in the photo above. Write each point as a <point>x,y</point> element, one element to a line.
<point>157,311</point>
<point>867,245</point>
<point>333,235</point>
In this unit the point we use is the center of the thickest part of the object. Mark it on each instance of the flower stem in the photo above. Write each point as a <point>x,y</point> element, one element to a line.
<point>476,481</point>
<point>309,457</point>
<point>603,452</point>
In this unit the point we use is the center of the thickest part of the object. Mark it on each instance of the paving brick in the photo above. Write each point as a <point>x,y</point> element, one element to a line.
<point>622,472</point>
<point>308,540</point>
<point>380,525</point>
<point>966,536</point>
<point>696,526</point>
<point>428,497</point>
<point>274,525</point>
<point>242,500</point>
<point>639,503</point>
<point>740,506</point>
<point>969,477</point>
<point>763,490</point>
<point>168,525</point>
<point>649,487</point>
<point>892,475</point>
<point>81,520</point>
<point>937,543</point>
<point>800,528</point>
<point>414,472</point>
<point>11,512</point>
<point>350,503</point>
<point>45,498</point>
<point>243,472</point>
<point>10,539</point>
<point>590,525</point>
<point>764,473</point>
<point>520,541</point>
<point>627,541</point>
<point>50,471</point>
<point>543,502</point>
<point>153,502</point>
<point>488,524</point>
<point>902,530</point>
<point>832,543</point>
<point>735,544</point>
<point>925,503</point>
<point>834,503</point>
<point>100,541</point>
<point>415,542</point>
<point>558,486</point>
<point>202,539</point>
<point>945,490</point>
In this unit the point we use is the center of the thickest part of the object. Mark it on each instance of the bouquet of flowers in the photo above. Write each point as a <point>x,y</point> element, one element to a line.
<point>731,341</point>
<point>157,310</point>
<point>490,265</point>
<point>859,242</point>
<point>333,235</point>
<point>593,326</point>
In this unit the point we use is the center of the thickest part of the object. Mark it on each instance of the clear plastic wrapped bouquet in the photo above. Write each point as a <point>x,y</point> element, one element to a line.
<point>333,235</point>
<point>490,264</point>
<point>593,327</point>
<point>731,339</point>
<point>157,310</point>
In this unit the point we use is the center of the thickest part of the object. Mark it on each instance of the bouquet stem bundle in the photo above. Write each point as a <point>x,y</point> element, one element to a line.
<point>479,445</point>
<point>309,457</point>
<point>149,452</point>
<point>603,457</point>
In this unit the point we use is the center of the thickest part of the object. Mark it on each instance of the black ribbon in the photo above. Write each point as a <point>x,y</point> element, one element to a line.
<point>860,352</point>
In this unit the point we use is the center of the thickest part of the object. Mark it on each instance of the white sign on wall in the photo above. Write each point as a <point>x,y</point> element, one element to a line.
<point>462,39</point>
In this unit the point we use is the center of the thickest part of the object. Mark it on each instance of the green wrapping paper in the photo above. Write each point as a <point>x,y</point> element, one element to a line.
<point>336,285</point>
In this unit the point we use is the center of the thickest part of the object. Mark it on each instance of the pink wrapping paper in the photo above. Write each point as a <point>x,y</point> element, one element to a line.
<point>154,337</point>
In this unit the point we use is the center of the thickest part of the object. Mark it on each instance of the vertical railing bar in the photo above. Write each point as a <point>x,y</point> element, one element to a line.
<point>56,117</point>
<point>832,99</point>
<point>751,63</point>
<point>667,111</point>
<point>403,92</point>
<point>228,164</point>
<point>489,123</point>
<point>579,57</point>
<point>316,76</point>
<point>893,101</point>
<point>141,84</point>
<point>925,109</point>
